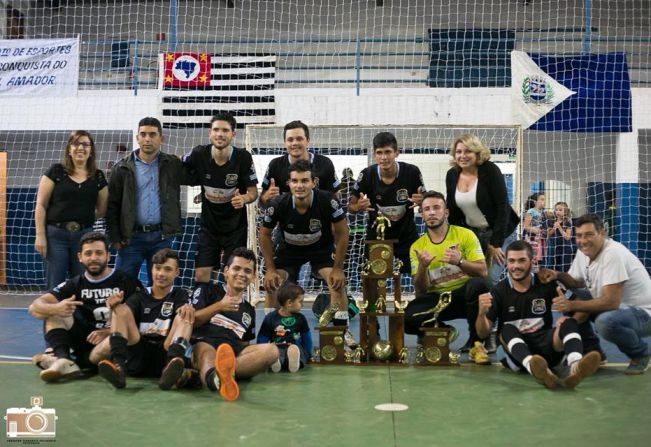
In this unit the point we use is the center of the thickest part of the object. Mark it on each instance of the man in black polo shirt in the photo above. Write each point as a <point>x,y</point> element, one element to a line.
<point>151,330</point>
<point>224,326</point>
<point>296,136</point>
<point>76,313</point>
<point>315,230</point>
<point>523,306</point>
<point>392,188</point>
<point>228,182</point>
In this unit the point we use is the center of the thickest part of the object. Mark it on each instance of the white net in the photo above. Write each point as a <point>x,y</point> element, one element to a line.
<point>334,62</point>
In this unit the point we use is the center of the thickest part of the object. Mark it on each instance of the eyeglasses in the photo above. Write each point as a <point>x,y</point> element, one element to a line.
<point>82,144</point>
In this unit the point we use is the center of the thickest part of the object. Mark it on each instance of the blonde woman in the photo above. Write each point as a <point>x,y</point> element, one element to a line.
<point>71,195</point>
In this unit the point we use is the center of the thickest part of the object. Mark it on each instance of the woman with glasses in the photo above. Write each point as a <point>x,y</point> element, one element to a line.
<point>71,195</point>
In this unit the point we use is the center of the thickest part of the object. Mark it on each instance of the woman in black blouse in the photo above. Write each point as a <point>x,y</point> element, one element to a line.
<point>71,195</point>
<point>477,197</point>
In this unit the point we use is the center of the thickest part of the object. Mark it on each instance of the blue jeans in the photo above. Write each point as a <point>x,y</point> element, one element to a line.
<point>625,328</point>
<point>495,271</point>
<point>62,261</point>
<point>141,248</point>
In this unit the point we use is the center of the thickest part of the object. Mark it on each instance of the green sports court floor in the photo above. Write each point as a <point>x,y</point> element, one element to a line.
<point>334,406</point>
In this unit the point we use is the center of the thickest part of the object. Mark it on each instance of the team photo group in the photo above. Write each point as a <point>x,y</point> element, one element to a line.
<point>541,283</point>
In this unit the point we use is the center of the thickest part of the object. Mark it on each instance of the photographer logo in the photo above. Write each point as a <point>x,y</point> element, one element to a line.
<point>31,423</point>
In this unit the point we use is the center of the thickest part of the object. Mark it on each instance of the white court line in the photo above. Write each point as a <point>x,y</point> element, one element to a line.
<point>13,308</point>
<point>14,357</point>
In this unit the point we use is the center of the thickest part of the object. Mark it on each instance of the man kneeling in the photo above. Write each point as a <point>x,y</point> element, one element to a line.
<point>523,306</point>
<point>150,332</point>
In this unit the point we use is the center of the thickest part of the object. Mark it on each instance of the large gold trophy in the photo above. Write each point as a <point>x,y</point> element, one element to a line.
<point>379,267</point>
<point>435,350</point>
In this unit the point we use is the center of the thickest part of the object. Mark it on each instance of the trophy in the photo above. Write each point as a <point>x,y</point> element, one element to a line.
<point>378,268</point>
<point>331,345</point>
<point>436,340</point>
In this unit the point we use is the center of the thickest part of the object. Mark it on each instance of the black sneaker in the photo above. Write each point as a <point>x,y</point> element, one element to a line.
<point>113,373</point>
<point>171,374</point>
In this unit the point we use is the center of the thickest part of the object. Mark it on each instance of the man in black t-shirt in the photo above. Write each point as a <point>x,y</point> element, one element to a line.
<point>76,314</point>
<point>314,230</point>
<point>392,188</point>
<point>150,331</point>
<point>224,326</point>
<point>228,182</point>
<point>523,307</point>
<point>296,136</point>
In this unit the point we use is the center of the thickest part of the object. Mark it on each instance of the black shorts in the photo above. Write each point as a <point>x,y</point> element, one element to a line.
<point>147,358</point>
<point>542,344</point>
<point>237,345</point>
<point>211,245</point>
<point>80,347</point>
<point>291,261</point>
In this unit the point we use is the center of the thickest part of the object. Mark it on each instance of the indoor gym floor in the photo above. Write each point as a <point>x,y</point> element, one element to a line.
<point>332,405</point>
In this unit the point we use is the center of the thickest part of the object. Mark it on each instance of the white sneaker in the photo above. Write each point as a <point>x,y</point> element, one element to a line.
<point>293,358</point>
<point>276,367</point>
<point>349,340</point>
<point>60,369</point>
<point>43,360</point>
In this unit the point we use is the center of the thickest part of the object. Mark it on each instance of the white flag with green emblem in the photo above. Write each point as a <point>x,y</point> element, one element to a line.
<point>534,92</point>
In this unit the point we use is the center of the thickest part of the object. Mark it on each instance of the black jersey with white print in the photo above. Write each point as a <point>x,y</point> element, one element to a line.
<point>392,200</point>
<point>237,326</point>
<point>93,294</point>
<point>154,316</point>
<point>219,184</point>
<point>324,173</point>
<point>310,231</point>
<point>529,311</point>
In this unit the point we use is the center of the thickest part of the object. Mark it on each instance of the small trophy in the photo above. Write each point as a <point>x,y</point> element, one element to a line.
<point>331,345</point>
<point>436,340</point>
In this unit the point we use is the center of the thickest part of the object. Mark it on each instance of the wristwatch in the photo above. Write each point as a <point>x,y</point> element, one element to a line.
<point>460,262</point>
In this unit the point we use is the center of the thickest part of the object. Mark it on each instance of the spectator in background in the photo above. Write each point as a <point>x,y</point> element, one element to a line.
<point>533,226</point>
<point>71,195</point>
<point>561,239</point>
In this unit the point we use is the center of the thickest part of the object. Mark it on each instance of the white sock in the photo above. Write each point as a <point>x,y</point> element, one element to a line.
<point>526,362</point>
<point>573,357</point>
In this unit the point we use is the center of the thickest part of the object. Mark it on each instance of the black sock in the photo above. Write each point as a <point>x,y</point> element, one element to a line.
<point>59,340</point>
<point>210,379</point>
<point>177,348</point>
<point>339,322</point>
<point>569,335</point>
<point>119,349</point>
<point>515,344</point>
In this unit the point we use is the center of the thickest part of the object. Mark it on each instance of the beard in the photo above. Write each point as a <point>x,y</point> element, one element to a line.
<point>435,225</point>
<point>522,274</point>
<point>96,269</point>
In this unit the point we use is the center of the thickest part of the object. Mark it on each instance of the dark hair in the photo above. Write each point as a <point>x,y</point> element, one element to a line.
<point>150,121</point>
<point>296,125</point>
<point>242,252</point>
<point>532,199</point>
<point>162,255</point>
<point>301,166</point>
<point>224,116</point>
<point>590,219</point>
<point>93,236</point>
<point>91,164</point>
<point>519,246</point>
<point>289,291</point>
<point>433,195</point>
<point>385,139</point>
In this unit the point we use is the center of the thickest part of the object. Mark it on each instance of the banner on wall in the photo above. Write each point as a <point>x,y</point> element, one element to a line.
<point>534,92</point>
<point>43,67</point>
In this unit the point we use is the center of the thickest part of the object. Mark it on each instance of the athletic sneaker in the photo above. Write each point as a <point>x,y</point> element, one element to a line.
<point>113,373</point>
<point>540,370</point>
<point>171,373</point>
<point>189,379</point>
<point>277,366</point>
<point>587,366</point>
<point>479,355</point>
<point>60,369</point>
<point>225,372</point>
<point>349,340</point>
<point>43,360</point>
<point>293,358</point>
<point>638,366</point>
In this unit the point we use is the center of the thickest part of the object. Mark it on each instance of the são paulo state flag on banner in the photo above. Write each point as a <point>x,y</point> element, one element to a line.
<point>186,70</point>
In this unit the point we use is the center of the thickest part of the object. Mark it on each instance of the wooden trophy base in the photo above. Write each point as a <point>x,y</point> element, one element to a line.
<point>369,338</point>
<point>436,348</point>
<point>331,345</point>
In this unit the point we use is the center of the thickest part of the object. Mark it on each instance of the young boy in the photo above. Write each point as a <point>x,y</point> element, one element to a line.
<point>288,328</point>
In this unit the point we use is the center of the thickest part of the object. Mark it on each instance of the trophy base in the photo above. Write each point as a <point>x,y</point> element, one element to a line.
<point>331,345</point>
<point>435,350</point>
